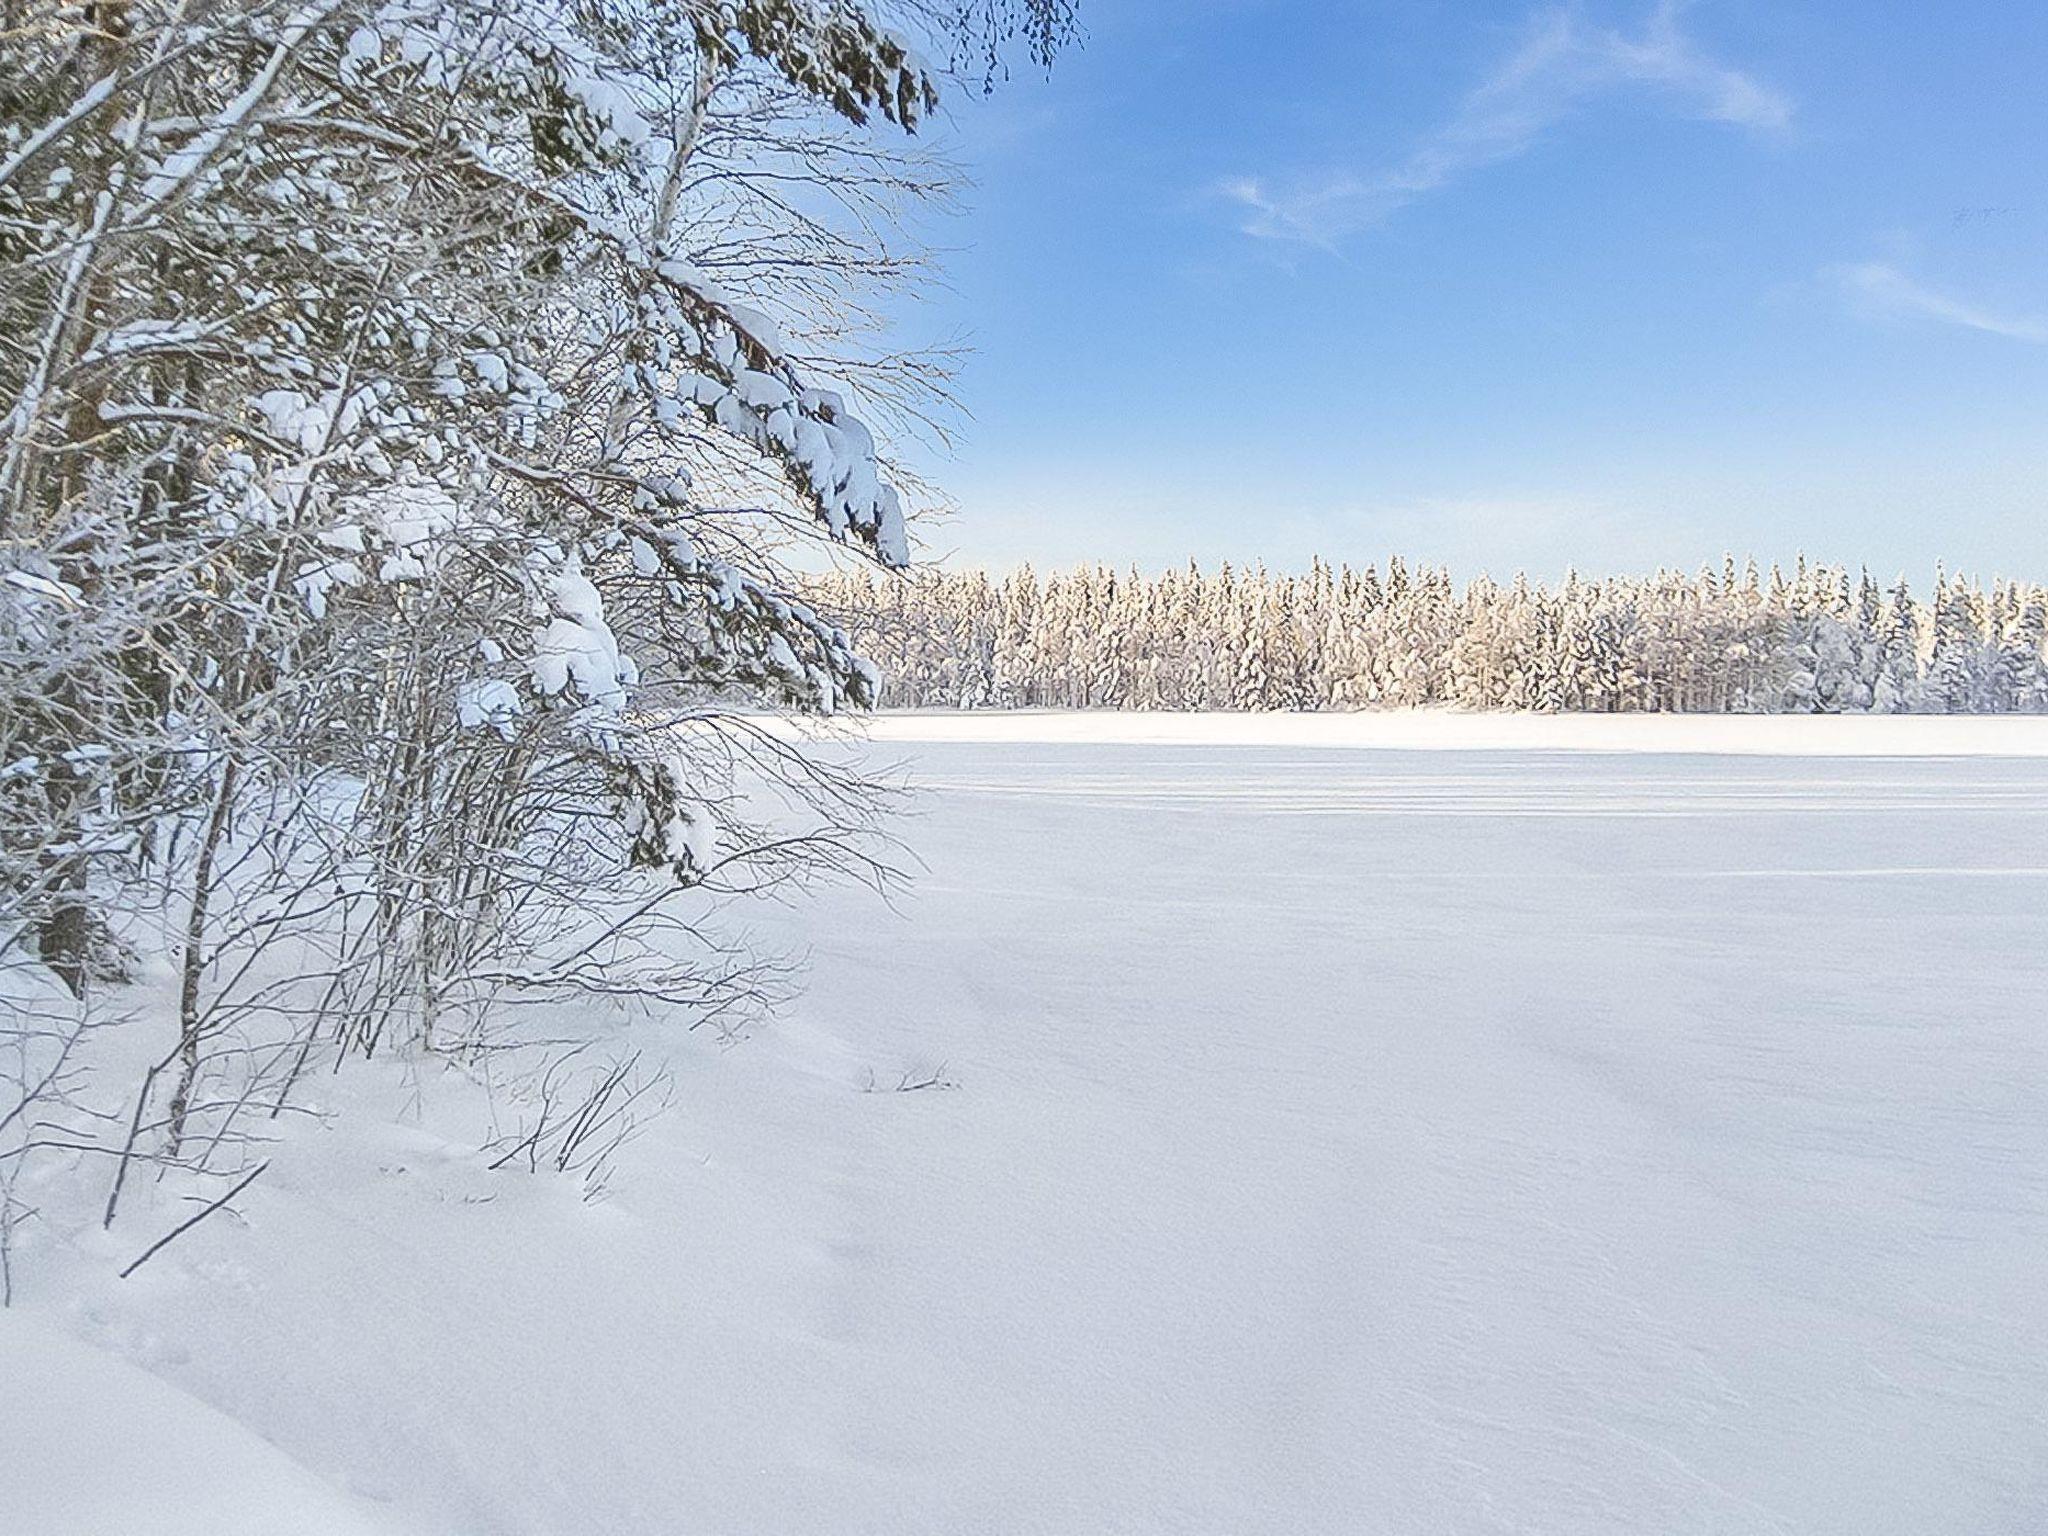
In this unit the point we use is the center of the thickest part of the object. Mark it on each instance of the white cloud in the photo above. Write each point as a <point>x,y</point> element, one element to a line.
<point>1562,65</point>
<point>1885,290</point>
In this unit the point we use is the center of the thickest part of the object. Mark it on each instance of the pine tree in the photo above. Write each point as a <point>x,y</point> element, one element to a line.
<point>1956,669</point>
<point>1816,642</point>
<point>2023,666</point>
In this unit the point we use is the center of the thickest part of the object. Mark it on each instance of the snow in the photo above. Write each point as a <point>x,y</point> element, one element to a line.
<point>412,515</point>
<point>316,578</point>
<point>184,163</point>
<point>310,423</point>
<point>364,48</point>
<point>490,701</point>
<point>1798,736</point>
<point>492,368</point>
<point>692,837</point>
<point>1366,1124</point>
<point>41,586</point>
<point>88,101</point>
<point>144,336</point>
<point>95,1445</point>
<point>577,645</point>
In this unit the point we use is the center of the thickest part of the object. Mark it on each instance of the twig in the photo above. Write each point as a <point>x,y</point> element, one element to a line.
<point>911,1083</point>
<point>187,1225</point>
<point>128,1146</point>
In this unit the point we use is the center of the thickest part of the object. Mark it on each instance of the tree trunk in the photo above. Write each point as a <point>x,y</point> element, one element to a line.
<point>190,1018</point>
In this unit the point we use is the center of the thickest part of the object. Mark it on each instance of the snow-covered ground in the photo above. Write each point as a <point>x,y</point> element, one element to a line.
<point>1452,730</point>
<point>1369,1125</point>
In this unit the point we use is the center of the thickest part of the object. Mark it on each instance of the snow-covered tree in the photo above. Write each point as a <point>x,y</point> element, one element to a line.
<point>404,409</point>
<point>1338,638</point>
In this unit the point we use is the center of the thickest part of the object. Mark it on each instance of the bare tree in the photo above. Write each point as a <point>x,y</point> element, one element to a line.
<point>409,419</point>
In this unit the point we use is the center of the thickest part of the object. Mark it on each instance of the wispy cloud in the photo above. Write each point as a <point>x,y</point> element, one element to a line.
<point>1563,64</point>
<point>1881,289</point>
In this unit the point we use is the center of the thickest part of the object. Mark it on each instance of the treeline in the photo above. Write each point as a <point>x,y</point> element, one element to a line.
<point>1726,640</point>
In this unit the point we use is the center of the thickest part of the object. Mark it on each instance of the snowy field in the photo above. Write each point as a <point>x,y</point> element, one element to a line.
<point>1376,1125</point>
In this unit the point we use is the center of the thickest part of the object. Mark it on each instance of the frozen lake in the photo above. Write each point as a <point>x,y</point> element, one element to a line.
<point>1473,1134</point>
<point>1482,1139</point>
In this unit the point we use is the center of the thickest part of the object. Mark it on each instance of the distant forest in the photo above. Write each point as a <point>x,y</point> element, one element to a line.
<point>1727,640</point>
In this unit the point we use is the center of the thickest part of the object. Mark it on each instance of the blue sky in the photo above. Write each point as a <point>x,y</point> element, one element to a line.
<point>1508,286</point>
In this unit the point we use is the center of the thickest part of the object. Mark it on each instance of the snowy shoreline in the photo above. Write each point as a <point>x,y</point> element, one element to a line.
<point>1450,730</point>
